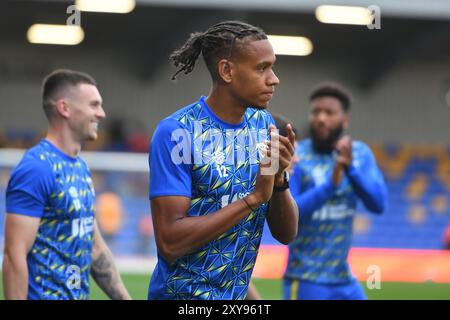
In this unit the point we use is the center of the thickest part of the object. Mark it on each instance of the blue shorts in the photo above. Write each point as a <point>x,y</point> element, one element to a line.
<point>304,290</point>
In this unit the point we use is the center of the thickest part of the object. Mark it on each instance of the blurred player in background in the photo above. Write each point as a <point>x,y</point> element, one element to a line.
<point>209,215</point>
<point>332,175</point>
<point>52,241</point>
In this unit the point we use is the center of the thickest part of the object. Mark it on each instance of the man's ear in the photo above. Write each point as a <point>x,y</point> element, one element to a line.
<point>225,70</point>
<point>62,108</point>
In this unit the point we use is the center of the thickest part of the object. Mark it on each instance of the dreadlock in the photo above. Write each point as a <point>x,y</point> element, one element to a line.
<point>215,43</point>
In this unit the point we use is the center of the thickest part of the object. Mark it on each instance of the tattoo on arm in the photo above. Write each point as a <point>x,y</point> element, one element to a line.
<point>105,274</point>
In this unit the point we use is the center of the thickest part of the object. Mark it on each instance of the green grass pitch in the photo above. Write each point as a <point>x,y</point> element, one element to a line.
<point>271,289</point>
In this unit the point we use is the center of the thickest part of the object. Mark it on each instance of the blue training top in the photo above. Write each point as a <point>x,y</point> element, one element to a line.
<point>195,154</point>
<point>319,252</point>
<point>57,189</point>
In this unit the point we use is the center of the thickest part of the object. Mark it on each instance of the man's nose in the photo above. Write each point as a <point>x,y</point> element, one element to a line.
<point>321,117</point>
<point>273,79</point>
<point>101,113</point>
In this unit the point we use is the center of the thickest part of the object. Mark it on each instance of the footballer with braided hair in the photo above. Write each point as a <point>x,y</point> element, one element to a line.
<point>209,192</point>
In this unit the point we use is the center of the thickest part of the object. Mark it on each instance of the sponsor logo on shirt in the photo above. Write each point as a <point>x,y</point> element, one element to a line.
<point>333,212</point>
<point>73,273</point>
<point>82,226</point>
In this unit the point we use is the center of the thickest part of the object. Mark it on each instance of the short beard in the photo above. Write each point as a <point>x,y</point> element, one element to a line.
<point>328,144</point>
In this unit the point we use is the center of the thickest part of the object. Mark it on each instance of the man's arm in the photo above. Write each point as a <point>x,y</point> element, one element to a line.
<point>368,183</point>
<point>313,199</point>
<point>20,234</point>
<point>282,216</point>
<point>366,179</point>
<point>104,271</point>
<point>177,234</point>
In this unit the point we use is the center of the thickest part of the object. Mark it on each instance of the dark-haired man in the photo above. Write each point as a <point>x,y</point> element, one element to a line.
<point>209,190</point>
<point>332,175</point>
<point>52,241</point>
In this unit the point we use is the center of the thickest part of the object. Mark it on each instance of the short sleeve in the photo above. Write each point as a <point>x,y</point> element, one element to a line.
<point>29,187</point>
<point>170,160</point>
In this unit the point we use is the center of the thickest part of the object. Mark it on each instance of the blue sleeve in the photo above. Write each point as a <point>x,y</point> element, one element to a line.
<point>29,187</point>
<point>169,160</point>
<point>312,199</point>
<point>368,182</point>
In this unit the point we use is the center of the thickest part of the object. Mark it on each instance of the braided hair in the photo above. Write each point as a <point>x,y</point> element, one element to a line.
<point>214,44</point>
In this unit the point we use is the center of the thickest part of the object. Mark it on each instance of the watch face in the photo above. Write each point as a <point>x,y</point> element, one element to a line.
<point>286,176</point>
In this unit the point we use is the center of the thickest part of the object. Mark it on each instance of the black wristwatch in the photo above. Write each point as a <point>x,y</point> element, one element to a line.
<point>285,184</point>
